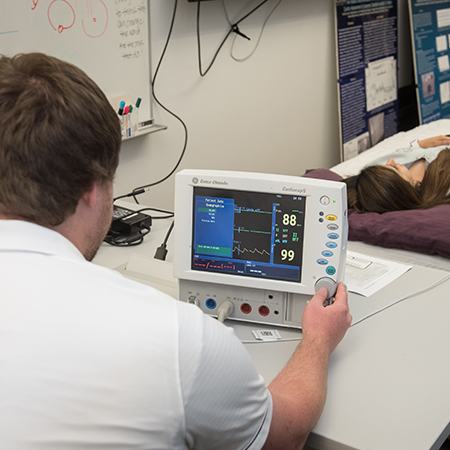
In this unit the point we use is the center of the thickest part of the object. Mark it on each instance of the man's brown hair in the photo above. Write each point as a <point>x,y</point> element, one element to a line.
<point>58,136</point>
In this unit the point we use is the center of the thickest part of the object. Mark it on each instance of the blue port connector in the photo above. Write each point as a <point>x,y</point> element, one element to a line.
<point>211,303</point>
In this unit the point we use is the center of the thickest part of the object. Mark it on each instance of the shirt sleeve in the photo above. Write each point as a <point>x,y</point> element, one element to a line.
<point>227,406</point>
<point>408,155</point>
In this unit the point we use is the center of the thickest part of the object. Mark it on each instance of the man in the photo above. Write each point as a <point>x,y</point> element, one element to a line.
<point>89,359</point>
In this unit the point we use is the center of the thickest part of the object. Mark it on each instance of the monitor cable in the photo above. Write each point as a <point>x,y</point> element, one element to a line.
<point>225,310</point>
<point>161,251</point>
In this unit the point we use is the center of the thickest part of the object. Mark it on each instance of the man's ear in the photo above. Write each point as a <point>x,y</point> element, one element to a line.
<point>89,198</point>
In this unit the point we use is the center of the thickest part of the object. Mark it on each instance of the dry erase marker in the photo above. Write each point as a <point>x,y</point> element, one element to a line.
<point>122,120</point>
<point>136,111</point>
<point>130,121</point>
<point>121,106</point>
<point>126,111</point>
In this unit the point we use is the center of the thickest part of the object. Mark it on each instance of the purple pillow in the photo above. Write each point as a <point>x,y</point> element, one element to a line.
<point>423,231</point>
<point>322,174</point>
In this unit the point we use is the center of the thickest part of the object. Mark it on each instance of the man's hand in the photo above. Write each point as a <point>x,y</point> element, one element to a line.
<point>327,325</point>
<point>299,391</point>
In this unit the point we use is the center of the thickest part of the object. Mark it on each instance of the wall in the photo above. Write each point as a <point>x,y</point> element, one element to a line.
<point>276,112</point>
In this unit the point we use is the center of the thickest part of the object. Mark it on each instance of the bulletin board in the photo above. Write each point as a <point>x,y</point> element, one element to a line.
<point>430,29</point>
<point>108,39</point>
<point>367,55</point>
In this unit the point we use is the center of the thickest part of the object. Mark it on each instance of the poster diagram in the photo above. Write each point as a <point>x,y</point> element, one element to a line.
<point>430,22</point>
<point>367,73</point>
<point>381,83</point>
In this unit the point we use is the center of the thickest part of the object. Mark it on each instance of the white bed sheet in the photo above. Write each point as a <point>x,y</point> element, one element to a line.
<point>400,140</point>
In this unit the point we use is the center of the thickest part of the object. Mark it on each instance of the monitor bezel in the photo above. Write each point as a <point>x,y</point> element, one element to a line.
<point>187,179</point>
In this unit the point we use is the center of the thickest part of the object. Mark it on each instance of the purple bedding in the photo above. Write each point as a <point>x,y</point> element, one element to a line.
<point>423,231</point>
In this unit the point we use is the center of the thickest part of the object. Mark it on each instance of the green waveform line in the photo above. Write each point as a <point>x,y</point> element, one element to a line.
<point>241,209</point>
<point>241,230</point>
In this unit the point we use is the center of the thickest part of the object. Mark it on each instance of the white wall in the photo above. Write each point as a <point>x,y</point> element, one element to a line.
<point>277,112</point>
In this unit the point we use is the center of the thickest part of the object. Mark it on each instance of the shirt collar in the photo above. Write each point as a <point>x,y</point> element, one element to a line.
<point>19,235</point>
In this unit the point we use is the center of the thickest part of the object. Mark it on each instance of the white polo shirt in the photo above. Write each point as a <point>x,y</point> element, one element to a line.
<point>90,359</point>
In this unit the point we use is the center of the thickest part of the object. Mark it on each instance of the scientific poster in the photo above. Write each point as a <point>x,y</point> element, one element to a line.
<point>367,73</point>
<point>430,28</point>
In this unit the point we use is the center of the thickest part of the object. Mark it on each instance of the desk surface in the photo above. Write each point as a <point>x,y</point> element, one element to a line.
<point>387,379</point>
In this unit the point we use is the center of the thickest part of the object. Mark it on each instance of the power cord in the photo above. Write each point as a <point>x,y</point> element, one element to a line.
<point>234,28</point>
<point>169,215</point>
<point>161,251</point>
<point>131,194</point>
<point>121,240</point>
<point>259,38</point>
<point>406,297</point>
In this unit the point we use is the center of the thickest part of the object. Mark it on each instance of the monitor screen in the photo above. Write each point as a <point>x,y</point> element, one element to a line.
<point>250,234</point>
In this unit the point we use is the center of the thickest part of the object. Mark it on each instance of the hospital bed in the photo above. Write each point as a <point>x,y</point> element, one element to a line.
<point>411,237</point>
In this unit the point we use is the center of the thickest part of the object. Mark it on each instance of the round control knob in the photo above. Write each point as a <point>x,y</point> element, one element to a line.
<point>328,283</point>
<point>324,200</point>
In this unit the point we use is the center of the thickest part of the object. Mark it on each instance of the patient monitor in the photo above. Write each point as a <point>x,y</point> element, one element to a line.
<point>266,243</point>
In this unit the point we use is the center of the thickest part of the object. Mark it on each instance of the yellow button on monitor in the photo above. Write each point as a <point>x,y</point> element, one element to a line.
<point>331,217</point>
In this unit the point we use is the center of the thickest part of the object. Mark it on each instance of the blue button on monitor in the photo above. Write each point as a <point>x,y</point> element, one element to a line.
<point>322,262</point>
<point>333,236</point>
<point>327,253</point>
<point>331,244</point>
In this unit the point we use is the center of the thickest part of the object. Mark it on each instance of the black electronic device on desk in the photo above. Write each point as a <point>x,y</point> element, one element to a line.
<point>128,227</point>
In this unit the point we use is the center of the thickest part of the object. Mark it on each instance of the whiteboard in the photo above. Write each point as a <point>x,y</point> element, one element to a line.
<point>108,39</point>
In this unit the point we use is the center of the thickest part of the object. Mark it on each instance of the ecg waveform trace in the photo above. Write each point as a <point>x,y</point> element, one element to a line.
<point>252,234</point>
<point>244,250</point>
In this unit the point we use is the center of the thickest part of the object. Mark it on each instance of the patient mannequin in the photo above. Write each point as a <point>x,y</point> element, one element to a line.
<point>418,178</point>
